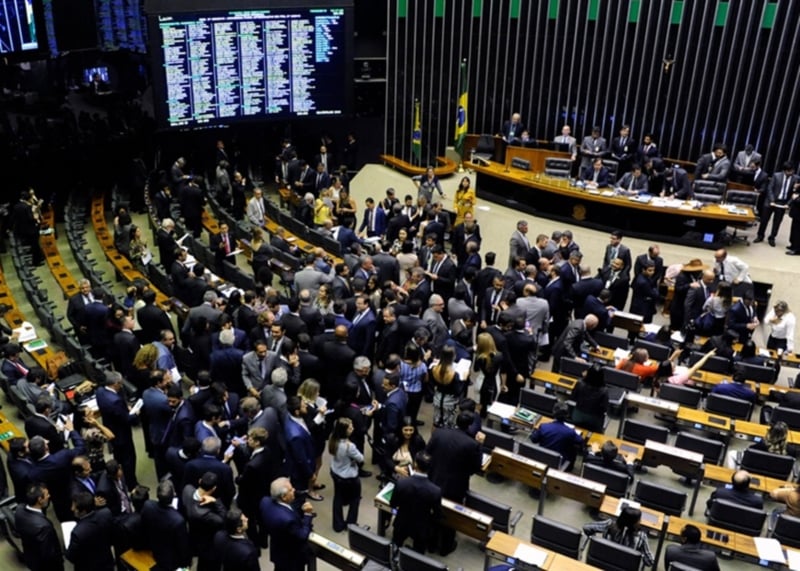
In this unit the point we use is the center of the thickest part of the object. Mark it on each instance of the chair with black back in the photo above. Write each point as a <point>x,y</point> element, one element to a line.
<point>16,397</point>
<point>616,482</point>
<point>640,432</point>
<point>713,364</point>
<point>610,341</point>
<point>573,368</point>
<point>660,498</point>
<point>619,382</point>
<point>743,198</point>
<point>410,560</point>
<point>710,449</point>
<point>372,545</point>
<point>8,507</point>
<point>541,454</point>
<point>791,416</point>
<point>735,517</point>
<point>497,439</point>
<point>709,191</point>
<point>484,148</point>
<point>613,170</point>
<point>656,351</point>
<point>757,373</point>
<point>501,513</point>
<point>787,530</point>
<point>605,554</point>
<point>556,536</point>
<point>557,167</point>
<point>680,394</point>
<point>537,402</point>
<point>729,406</point>
<point>767,464</point>
<point>678,566</point>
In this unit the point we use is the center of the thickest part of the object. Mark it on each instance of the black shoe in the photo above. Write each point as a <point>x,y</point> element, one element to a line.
<point>686,481</point>
<point>445,551</point>
<point>364,473</point>
<point>791,253</point>
<point>758,239</point>
<point>771,242</point>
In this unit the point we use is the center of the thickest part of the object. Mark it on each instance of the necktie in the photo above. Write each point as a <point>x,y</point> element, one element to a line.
<point>227,244</point>
<point>785,189</point>
<point>319,179</point>
<point>89,484</point>
<point>358,318</point>
<point>721,271</point>
<point>123,497</point>
<point>749,313</point>
<point>630,186</point>
<point>372,220</point>
<point>264,369</point>
<point>614,253</point>
<point>21,368</point>
<point>622,143</point>
<point>495,298</point>
<point>436,267</point>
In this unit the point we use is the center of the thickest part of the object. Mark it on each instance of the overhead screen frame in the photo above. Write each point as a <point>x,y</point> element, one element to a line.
<point>41,49</point>
<point>156,8</point>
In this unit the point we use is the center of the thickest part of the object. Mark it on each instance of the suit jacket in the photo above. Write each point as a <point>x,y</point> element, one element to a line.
<point>167,536</point>
<point>569,343</point>
<point>678,184</point>
<point>775,187</point>
<point>236,553</point>
<point>252,371</point>
<point>446,278</point>
<point>506,131</point>
<point>602,176</point>
<point>152,320</point>
<point>537,312</point>
<point>644,297</point>
<point>460,237</point>
<point>558,437</point>
<point>361,337</point>
<point>126,345</point>
<point>116,417</point>
<point>166,248</point>
<point>719,169</point>
<point>76,311</point>
<point>693,306</point>
<point>629,182</point>
<point>180,426</point>
<point>594,306</point>
<point>204,522</point>
<point>216,245</point>
<point>623,152</point>
<point>658,261</point>
<point>694,556</point>
<point>394,225</point>
<point>91,541</point>
<point>300,455</point>
<point>617,284</point>
<point>418,502</point>
<point>254,480</point>
<point>392,411</point>
<point>387,266</point>
<point>40,545</point>
<point>376,227</point>
<point>592,148</point>
<point>583,289</point>
<point>288,532</point>
<point>456,456</point>
<point>195,469</point>
<point>38,425</point>
<point>226,363</point>
<point>518,247</point>
<point>747,498</point>
<point>742,162</point>
<point>623,253</point>
<point>55,470</point>
<point>738,319</point>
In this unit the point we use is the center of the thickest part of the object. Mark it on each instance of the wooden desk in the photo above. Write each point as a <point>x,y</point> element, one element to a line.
<point>651,519</point>
<point>631,451</point>
<point>758,483</point>
<point>747,430</point>
<point>573,487</point>
<point>503,547</point>
<point>518,468</point>
<point>730,541</point>
<point>702,420</point>
<point>446,166</point>
<point>137,560</point>
<point>683,462</point>
<point>456,516</point>
<point>8,430</point>
<point>603,354</point>
<point>557,382</point>
<point>335,554</point>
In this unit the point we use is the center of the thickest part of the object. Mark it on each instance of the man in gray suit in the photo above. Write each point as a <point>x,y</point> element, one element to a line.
<point>537,310</point>
<point>593,147</point>
<point>744,161</point>
<point>274,395</point>
<point>207,309</point>
<point>776,203</point>
<point>519,245</point>
<point>616,249</point>
<point>310,277</point>
<point>257,366</point>
<point>717,164</point>
<point>565,138</point>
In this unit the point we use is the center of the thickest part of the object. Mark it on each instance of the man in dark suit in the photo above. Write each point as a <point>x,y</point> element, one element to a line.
<point>455,457</point>
<point>41,549</point>
<point>559,437</point>
<point>338,357</point>
<point>305,180</point>
<point>76,308</point>
<point>616,281</point>
<point>677,183</point>
<point>443,273</point>
<point>653,255</point>
<point>393,409</point>
<point>632,183</point>
<point>288,529</point>
<point>91,540</point>
<point>181,424</point>
<point>152,319</point>
<point>208,461</point>
<point>374,222</point>
<point>19,465</point>
<point>361,337</point>
<point>345,236</point>
<point>95,319</point>
<point>690,553</point>
<point>584,287</point>
<point>418,502</point>
<point>512,129</point>
<point>387,266</point>
<point>742,317</point>
<point>126,345</point>
<point>624,149</point>
<point>192,200</point>
<point>569,342</point>
<point>234,548</point>
<point>467,231</point>
<point>119,420</point>
<point>55,470</point>
<point>26,228</point>
<point>166,530</point>
<point>222,244</point>
<point>397,221</point>
<point>697,296</point>
<point>40,424</point>
<point>253,481</point>
<point>300,455</point>
<point>616,249</point>
<point>779,193</point>
<point>738,492</point>
<point>595,175</point>
<point>205,515</point>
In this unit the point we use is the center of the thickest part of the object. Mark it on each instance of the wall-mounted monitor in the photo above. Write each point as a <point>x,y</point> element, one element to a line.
<point>18,27</point>
<point>220,66</point>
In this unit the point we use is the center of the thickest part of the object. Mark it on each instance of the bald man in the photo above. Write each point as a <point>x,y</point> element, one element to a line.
<point>738,492</point>
<point>512,129</point>
<point>569,342</point>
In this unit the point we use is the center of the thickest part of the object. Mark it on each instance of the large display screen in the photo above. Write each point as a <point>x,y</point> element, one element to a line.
<point>120,25</point>
<point>17,27</point>
<point>217,67</point>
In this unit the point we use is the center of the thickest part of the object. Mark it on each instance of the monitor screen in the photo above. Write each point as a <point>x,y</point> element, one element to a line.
<point>212,68</point>
<point>18,31</point>
<point>89,72</point>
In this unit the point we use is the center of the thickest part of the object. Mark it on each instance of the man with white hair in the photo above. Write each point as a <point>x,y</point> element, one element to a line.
<point>435,322</point>
<point>310,277</point>
<point>225,362</point>
<point>274,395</point>
<point>255,208</point>
<point>287,527</point>
<point>165,238</point>
<point>569,342</point>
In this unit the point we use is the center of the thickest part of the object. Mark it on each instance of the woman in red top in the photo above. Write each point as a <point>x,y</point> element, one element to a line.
<point>639,364</point>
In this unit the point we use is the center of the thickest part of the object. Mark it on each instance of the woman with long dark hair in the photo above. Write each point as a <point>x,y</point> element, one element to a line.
<point>447,389</point>
<point>624,531</point>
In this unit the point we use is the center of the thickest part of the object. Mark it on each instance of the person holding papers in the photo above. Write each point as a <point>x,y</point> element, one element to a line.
<point>633,183</point>
<point>595,176</point>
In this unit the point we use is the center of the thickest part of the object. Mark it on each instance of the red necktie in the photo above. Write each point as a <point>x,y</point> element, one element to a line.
<point>227,244</point>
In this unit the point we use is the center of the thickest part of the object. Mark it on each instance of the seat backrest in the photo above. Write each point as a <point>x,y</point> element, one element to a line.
<point>622,379</point>
<point>410,560</point>
<point>656,351</point>
<point>606,554</point>
<point>710,449</point>
<point>370,544</point>
<point>741,197</point>
<point>557,536</point>
<point>639,432</point>
<point>495,438</point>
<point>678,566</point>
<point>611,341</point>
<point>557,163</point>
<point>767,464</point>
<point>735,517</point>
<point>709,190</point>
<point>686,396</point>
<point>790,416</point>
<point>485,144</point>
<point>537,402</point>
<point>485,505</point>
<point>757,373</point>
<point>714,364</point>
<point>787,530</point>
<point>660,498</point>
<point>573,368</point>
<point>729,406</point>
<point>616,482</point>
<point>540,454</point>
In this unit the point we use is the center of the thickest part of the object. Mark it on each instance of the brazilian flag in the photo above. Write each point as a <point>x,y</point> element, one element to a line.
<point>461,114</point>
<point>416,136</point>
